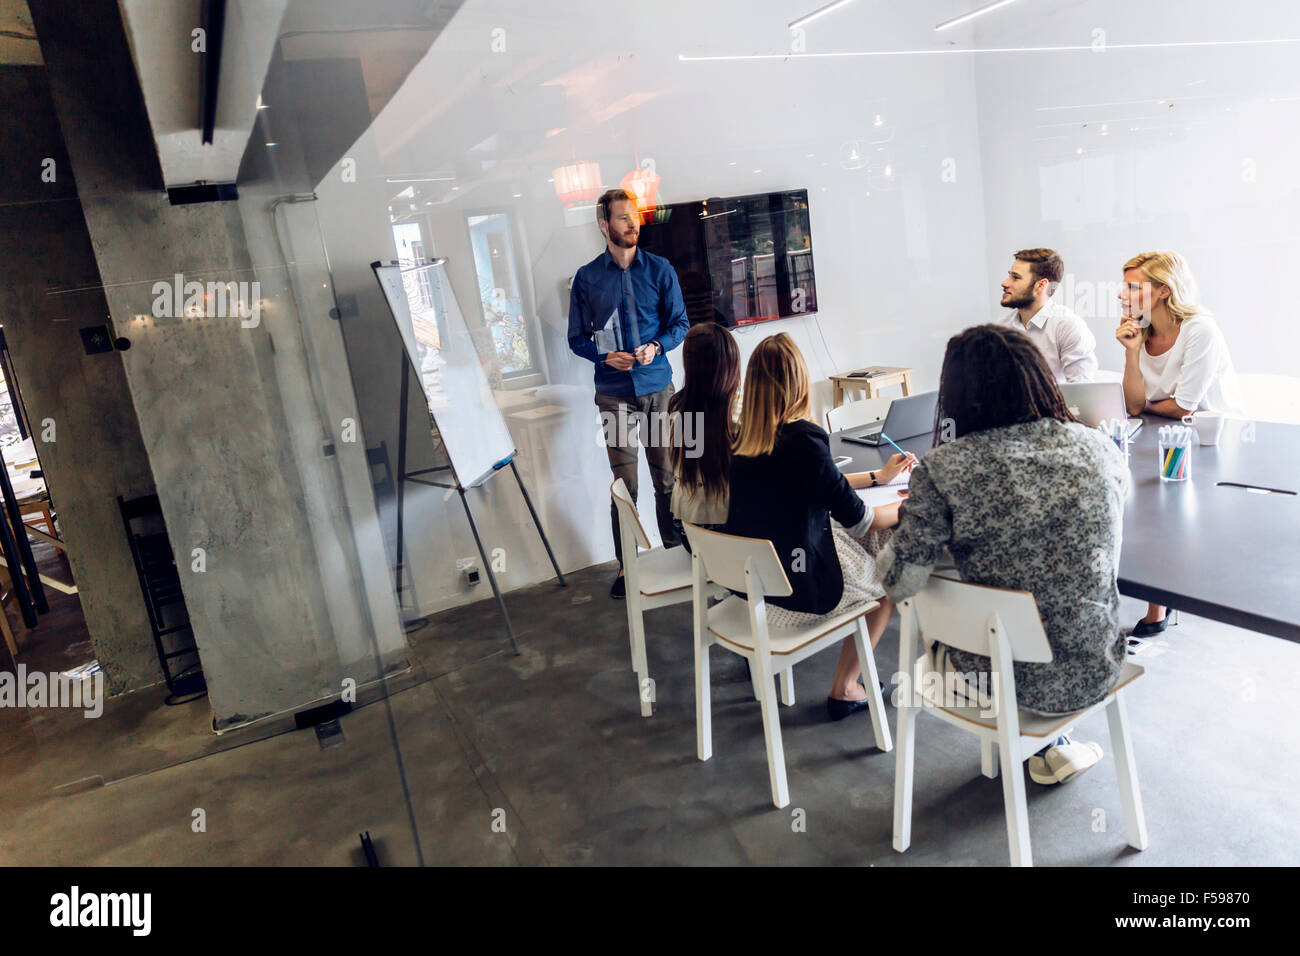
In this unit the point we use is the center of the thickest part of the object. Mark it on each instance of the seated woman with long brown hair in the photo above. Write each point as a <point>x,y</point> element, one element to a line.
<point>1024,496</point>
<point>785,487</point>
<point>701,452</point>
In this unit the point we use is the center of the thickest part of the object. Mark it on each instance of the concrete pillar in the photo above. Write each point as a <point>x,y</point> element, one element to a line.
<point>229,464</point>
<point>50,290</point>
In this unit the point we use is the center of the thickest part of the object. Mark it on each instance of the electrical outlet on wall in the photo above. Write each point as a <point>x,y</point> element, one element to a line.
<point>466,567</point>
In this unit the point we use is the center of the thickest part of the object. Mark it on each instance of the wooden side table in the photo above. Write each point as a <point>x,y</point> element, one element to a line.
<point>885,375</point>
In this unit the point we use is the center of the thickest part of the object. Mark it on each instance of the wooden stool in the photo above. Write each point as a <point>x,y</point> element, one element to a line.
<point>883,377</point>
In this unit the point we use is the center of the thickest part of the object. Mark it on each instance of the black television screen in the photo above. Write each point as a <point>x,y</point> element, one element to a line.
<point>740,260</point>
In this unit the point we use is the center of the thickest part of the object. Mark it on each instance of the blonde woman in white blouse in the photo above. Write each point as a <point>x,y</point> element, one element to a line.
<point>1175,359</point>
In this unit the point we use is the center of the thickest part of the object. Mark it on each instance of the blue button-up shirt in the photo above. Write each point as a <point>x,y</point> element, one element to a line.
<point>647,289</point>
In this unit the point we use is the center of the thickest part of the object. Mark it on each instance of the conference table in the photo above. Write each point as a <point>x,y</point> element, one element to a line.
<point>1223,545</point>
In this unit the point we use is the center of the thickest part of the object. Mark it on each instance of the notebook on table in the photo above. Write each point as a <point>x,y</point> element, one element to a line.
<point>887,493</point>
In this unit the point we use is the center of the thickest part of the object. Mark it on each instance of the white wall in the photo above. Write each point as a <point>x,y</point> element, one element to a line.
<point>1102,155</point>
<point>900,258</point>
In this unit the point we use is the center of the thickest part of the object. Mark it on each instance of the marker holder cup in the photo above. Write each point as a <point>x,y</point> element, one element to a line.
<point>1175,447</point>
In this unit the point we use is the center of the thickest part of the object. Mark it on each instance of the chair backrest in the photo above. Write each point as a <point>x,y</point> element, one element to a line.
<point>853,414</point>
<point>1268,398</point>
<point>725,556</point>
<point>628,519</point>
<point>957,613</point>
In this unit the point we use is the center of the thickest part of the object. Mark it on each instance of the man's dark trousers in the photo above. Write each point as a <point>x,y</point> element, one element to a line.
<point>640,420</point>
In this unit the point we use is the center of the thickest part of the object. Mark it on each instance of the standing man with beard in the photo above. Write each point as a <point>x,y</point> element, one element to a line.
<point>625,314</point>
<point>1063,338</point>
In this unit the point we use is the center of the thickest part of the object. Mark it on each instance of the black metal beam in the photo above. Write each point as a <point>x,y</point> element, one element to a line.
<point>214,26</point>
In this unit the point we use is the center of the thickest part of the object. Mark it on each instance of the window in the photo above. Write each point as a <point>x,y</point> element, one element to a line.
<point>410,244</point>
<point>492,240</point>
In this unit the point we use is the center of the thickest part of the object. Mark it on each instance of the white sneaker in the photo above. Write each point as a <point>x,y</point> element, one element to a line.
<point>1063,760</point>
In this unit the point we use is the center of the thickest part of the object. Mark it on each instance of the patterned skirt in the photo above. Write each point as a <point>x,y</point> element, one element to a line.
<point>861,581</point>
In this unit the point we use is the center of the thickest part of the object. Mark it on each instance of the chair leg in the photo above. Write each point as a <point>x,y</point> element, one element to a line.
<point>1135,824</point>
<point>8,633</point>
<point>636,629</point>
<point>787,687</point>
<point>6,588</point>
<point>703,702</point>
<point>989,758</point>
<point>772,736</point>
<point>633,617</point>
<point>1013,794</point>
<point>867,663</point>
<point>903,767</point>
<point>753,679</point>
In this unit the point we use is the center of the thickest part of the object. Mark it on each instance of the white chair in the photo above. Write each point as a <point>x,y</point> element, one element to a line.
<point>1003,625</point>
<point>1269,398</point>
<point>740,625</point>
<point>655,577</point>
<point>852,414</point>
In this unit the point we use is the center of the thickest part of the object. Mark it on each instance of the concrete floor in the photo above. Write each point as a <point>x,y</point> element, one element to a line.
<point>552,744</point>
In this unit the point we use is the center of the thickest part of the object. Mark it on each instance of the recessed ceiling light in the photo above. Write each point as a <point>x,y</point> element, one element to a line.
<point>272,144</point>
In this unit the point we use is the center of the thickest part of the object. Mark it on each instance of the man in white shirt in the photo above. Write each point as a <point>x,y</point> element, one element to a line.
<point>1063,338</point>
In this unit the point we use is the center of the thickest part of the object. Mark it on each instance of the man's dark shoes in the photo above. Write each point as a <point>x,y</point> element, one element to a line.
<point>619,588</point>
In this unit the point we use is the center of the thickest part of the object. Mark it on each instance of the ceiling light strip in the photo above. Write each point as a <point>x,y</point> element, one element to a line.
<point>687,58</point>
<point>820,12</point>
<point>977,12</point>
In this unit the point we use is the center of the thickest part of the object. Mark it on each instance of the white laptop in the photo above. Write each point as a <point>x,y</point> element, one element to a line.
<point>1096,402</point>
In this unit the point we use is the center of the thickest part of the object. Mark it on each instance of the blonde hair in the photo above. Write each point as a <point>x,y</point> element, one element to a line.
<point>776,393</point>
<point>1170,270</point>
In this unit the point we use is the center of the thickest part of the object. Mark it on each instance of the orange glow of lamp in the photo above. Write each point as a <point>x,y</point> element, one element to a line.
<point>643,185</point>
<point>577,183</point>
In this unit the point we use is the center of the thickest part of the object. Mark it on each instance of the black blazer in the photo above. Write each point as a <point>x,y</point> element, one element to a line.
<point>789,496</point>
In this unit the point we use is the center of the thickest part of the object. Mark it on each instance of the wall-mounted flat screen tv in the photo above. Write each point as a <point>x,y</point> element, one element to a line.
<point>740,259</point>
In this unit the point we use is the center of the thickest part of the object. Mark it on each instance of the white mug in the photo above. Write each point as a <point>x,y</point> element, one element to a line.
<point>1208,425</point>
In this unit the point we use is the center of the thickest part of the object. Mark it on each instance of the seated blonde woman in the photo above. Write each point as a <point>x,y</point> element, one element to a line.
<point>1175,359</point>
<point>785,487</point>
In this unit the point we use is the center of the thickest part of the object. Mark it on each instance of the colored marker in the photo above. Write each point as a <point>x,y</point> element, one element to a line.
<point>891,441</point>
